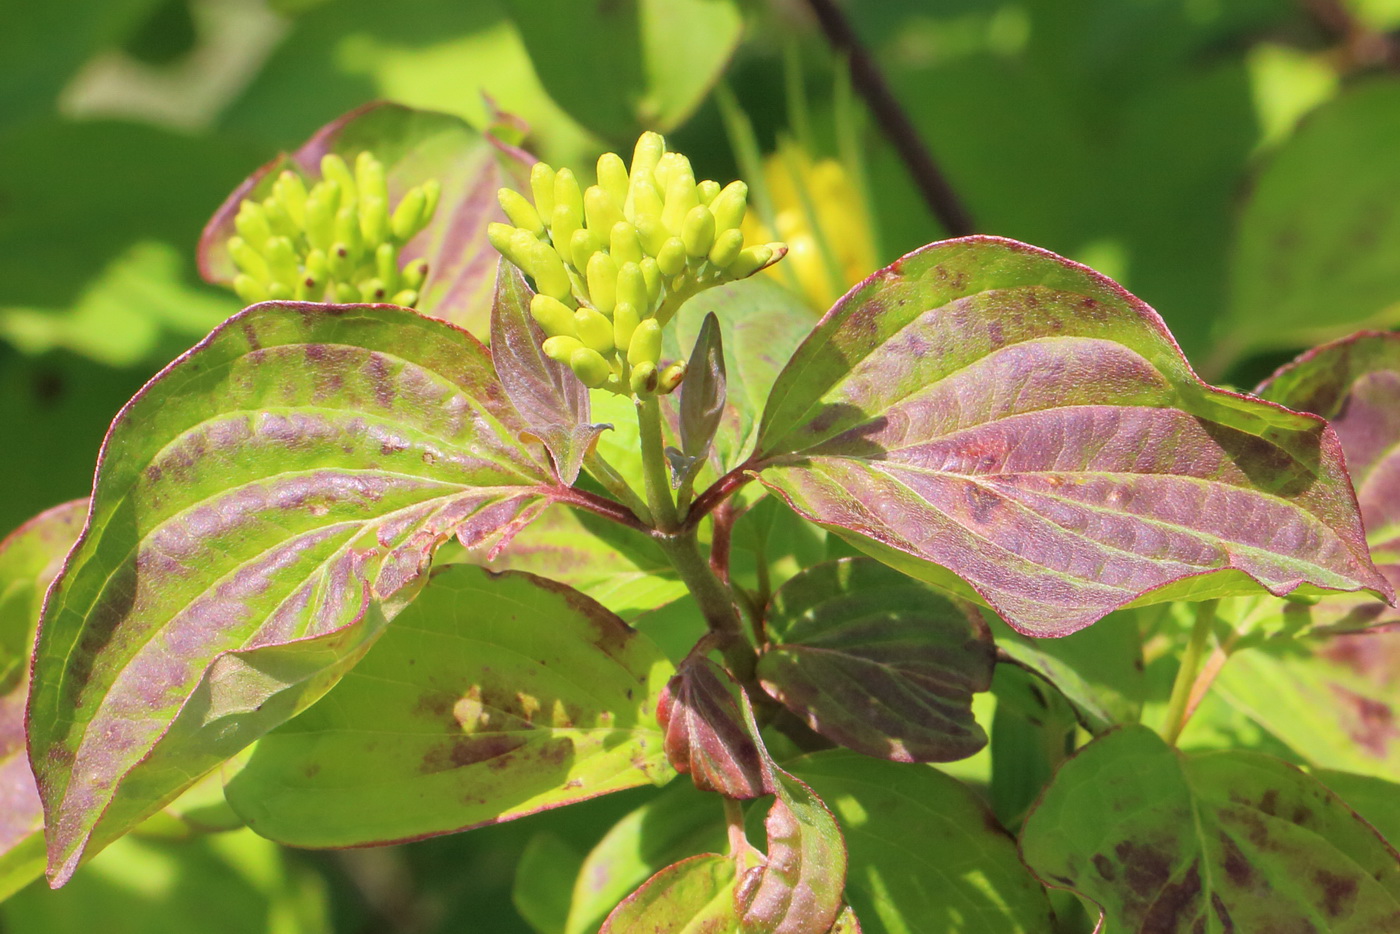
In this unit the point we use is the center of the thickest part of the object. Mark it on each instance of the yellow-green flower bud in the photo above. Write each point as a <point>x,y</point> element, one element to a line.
<point>590,367</point>
<point>583,244</point>
<point>729,205</point>
<point>308,289</point>
<point>521,212</point>
<point>594,329</point>
<point>386,264</point>
<point>432,191</point>
<point>248,259</point>
<point>624,322</point>
<point>652,234</point>
<point>644,379</point>
<point>372,290</point>
<point>333,168</point>
<point>320,212</point>
<point>553,316</point>
<point>249,289</point>
<point>374,218</point>
<point>564,223</point>
<point>646,201</point>
<point>346,294</point>
<point>347,232</point>
<point>543,264</point>
<point>698,231</point>
<point>282,261</point>
<point>251,224</point>
<point>612,177</point>
<point>632,288</point>
<point>726,248</point>
<point>561,348</point>
<point>647,153</point>
<point>670,259</point>
<point>408,216</point>
<point>750,260</point>
<point>369,178</point>
<point>651,274</point>
<point>316,265</point>
<point>602,282</point>
<point>645,345</point>
<point>624,244</point>
<point>290,191</point>
<point>567,192</point>
<point>707,190</point>
<point>681,196</point>
<point>599,210</point>
<point>670,378</point>
<point>542,188</point>
<point>415,274</point>
<point>502,237</point>
<point>279,292</point>
<point>405,297</point>
<point>277,219</point>
<point>669,165</point>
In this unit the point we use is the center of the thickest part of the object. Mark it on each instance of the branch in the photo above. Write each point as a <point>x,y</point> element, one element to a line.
<point>867,79</point>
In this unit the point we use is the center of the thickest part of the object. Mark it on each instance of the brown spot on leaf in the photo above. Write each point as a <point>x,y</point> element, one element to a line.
<point>1146,870</point>
<point>1227,924</point>
<point>1338,891</point>
<point>1269,803</point>
<point>1174,904</point>
<point>1237,867</point>
<point>982,502</point>
<point>1105,867</point>
<point>462,751</point>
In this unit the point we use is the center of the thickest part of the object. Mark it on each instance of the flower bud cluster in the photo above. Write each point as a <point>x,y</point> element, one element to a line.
<point>337,241</point>
<point>614,261</point>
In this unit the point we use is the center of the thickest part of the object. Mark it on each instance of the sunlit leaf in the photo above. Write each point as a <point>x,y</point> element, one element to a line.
<point>255,507</point>
<point>414,146</point>
<point>926,854</point>
<point>1003,423</point>
<point>702,712</point>
<point>694,896</point>
<point>1219,841</point>
<point>490,697</point>
<point>878,662</point>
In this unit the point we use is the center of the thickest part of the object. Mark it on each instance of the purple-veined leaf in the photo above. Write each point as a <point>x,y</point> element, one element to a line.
<point>414,146</point>
<point>261,508</point>
<point>693,896</point>
<point>702,712</point>
<point>702,395</point>
<point>1355,384</point>
<point>798,890</point>
<point>545,392</point>
<point>1224,841</point>
<point>672,826</point>
<point>1007,424</point>
<point>30,557</point>
<point>492,696</point>
<point>926,852</point>
<point>878,662</point>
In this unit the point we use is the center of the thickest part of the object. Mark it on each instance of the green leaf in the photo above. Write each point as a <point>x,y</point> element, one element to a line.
<point>677,823</point>
<point>492,696</point>
<point>260,509</point>
<point>414,146</point>
<point>1228,841</point>
<point>30,558</point>
<point>1012,426</point>
<point>926,854</point>
<point>538,893</point>
<point>545,392</point>
<point>694,896</point>
<point>877,662</point>
<point>1098,670</point>
<point>1311,258</point>
<point>622,67</point>
<point>1375,799</point>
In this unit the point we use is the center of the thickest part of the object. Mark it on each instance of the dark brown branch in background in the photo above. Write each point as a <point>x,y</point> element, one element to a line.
<point>1360,48</point>
<point>870,84</point>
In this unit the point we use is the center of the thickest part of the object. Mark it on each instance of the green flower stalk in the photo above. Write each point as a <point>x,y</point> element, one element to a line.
<point>337,241</point>
<point>612,263</point>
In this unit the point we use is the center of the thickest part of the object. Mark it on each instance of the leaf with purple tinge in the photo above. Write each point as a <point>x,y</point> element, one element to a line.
<point>846,922</point>
<point>1224,841</point>
<point>261,508</point>
<point>30,557</point>
<point>492,696</point>
<point>414,146</point>
<point>878,662</point>
<point>694,896</point>
<point>702,711</point>
<point>552,401</point>
<point>1355,384</point>
<point>1015,427</point>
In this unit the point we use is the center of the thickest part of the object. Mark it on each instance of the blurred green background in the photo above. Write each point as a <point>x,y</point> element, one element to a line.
<point>1232,162</point>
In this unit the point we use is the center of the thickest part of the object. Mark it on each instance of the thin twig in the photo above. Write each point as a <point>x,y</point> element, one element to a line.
<point>871,84</point>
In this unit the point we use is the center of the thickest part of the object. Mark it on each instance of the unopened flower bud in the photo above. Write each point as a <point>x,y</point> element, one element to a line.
<point>279,292</point>
<point>542,188</point>
<point>564,223</point>
<point>645,345</point>
<point>645,200</point>
<point>644,379</point>
<point>599,210</point>
<point>590,367</point>
<point>707,190</point>
<point>681,196</point>
<point>632,287</point>
<point>281,260</point>
<point>651,274</point>
<point>582,245</point>
<point>553,316</point>
<point>567,192</point>
<point>669,166</point>
<point>408,215</point>
<point>624,244</point>
<point>320,212</point>
<point>415,274</point>
<point>543,264</point>
<point>647,153</point>
<point>729,206</point>
<point>652,234</point>
<point>345,293</point>
<point>374,218</point>
<point>248,259</point>
<point>347,233</point>
<point>290,191</point>
<point>670,259</point>
<point>251,224</point>
<point>670,378</point>
<point>249,289</point>
<point>750,260</point>
<point>405,297</point>
<point>612,177</point>
<point>624,322</point>
<point>698,231</point>
<point>386,264</point>
<point>726,248</point>
<point>502,238</point>
<point>602,282</point>
<point>333,168</point>
<point>521,212</point>
<point>369,178</point>
<point>594,329</point>
<point>372,290</point>
<point>561,347</point>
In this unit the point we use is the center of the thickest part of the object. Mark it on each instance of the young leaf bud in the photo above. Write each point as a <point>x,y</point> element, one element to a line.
<point>521,212</point>
<point>594,330</point>
<point>670,259</point>
<point>553,316</point>
<point>542,188</point>
<point>670,378</point>
<point>729,206</point>
<point>249,289</point>
<point>567,192</point>
<point>599,210</point>
<point>334,169</point>
<point>644,379</point>
<point>624,322</point>
<point>645,345</point>
<point>726,248</point>
<point>602,282</point>
<point>408,216</point>
<point>561,348</point>
<point>590,367</point>
<point>624,244</point>
<point>698,231</point>
<point>612,177</point>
